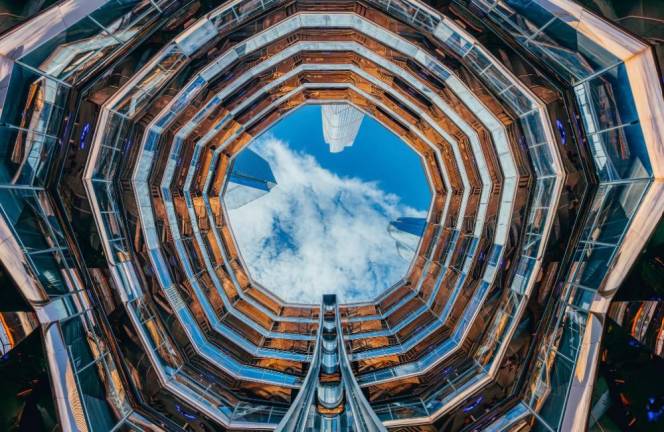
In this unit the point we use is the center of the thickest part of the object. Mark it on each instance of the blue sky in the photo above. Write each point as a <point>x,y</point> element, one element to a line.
<point>377,155</point>
<point>323,228</point>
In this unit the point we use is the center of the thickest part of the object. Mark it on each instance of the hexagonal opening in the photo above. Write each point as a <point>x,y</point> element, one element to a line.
<point>327,201</point>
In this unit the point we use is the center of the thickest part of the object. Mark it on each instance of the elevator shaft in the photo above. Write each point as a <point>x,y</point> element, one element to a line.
<point>330,399</point>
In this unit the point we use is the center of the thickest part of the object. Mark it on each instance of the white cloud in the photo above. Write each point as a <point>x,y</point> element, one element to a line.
<point>317,233</point>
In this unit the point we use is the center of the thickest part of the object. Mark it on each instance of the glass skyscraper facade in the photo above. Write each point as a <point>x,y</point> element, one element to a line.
<point>341,123</point>
<point>251,177</point>
<point>540,126</point>
<point>407,232</point>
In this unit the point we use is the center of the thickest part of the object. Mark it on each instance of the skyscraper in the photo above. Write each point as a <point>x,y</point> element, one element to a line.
<point>407,233</point>
<point>538,123</point>
<point>251,177</point>
<point>341,123</point>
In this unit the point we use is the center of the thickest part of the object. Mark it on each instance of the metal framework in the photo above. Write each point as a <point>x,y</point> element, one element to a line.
<point>121,123</point>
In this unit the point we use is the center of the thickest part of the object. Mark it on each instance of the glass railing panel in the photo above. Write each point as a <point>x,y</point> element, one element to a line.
<point>453,40</point>
<point>559,377</point>
<point>612,209</point>
<point>107,165</point>
<point>124,19</point>
<point>73,52</point>
<point>564,39</point>
<point>83,45</point>
<point>470,374</point>
<point>533,130</point>
<point>523,273</point>
<point>573,327</point>
<point>509,420</point>
<point>525,17</point>
<point>112,224</point>
<point>223,20</point>
<point>542,160</point>
<point>116,131</point>
<point>476,59</point>
<point>16,13</point>
<point>600,100</point>
<point>77,44</point>
<point>76,339</point>
<point>105,196</point>
<point>494,338</point>
<point>49,268</point>
<point>44,100</point>
<point>253,414</point>
<point>495,79</point>
<point>159,342</point>
<point>92,392</point>
<point>552,34</point>
<point>591,262</point>
<point>247,8</point>
<point>426,20</point>
<point>495,254</point>
<point>547,391</point>
<point>151,80</point>
<point>37,237</point>
<point>227,16</point>
<point>402,9</point>
<point>28,221</point>
<point>530,245</point>
<point>537,386</point>
<point>541,199</point>
<point>111,220</point>
<point>517,100</point>
<point>400,410</point>
<point>620,153</point>
<point>96,376</point>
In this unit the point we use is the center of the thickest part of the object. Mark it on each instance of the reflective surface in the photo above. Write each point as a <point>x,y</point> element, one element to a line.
<point>125,126</point>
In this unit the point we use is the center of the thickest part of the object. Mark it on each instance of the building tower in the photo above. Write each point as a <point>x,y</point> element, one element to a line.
<point>251,177</point>
<point>341,123</point>
<point>407,232</point>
